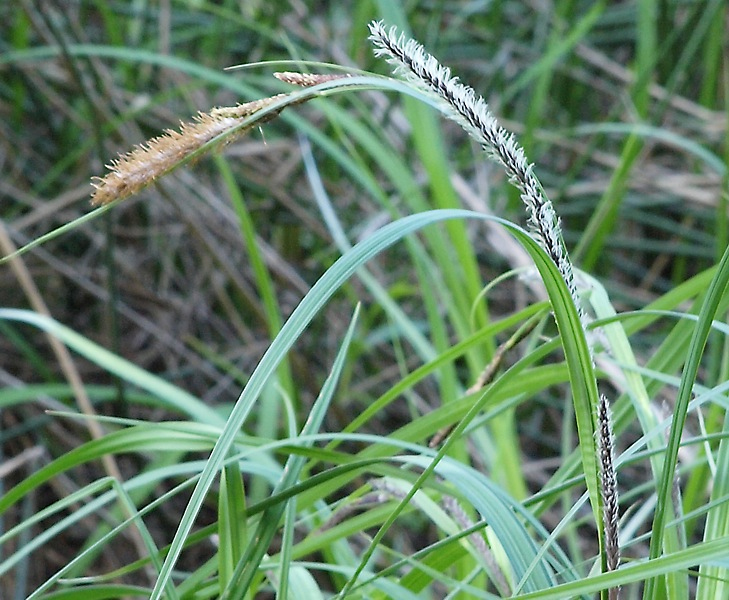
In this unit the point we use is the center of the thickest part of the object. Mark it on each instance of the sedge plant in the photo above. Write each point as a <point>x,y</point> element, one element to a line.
<point>325,525</point>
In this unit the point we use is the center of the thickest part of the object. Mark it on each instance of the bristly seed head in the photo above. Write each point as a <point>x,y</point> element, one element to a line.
<point>132,172</point>
<point>137,169</point>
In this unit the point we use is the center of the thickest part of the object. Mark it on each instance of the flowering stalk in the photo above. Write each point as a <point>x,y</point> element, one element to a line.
<point>140,167</point>
<point>609,486</point>
<point>462,105</point>
<point>495,572</point>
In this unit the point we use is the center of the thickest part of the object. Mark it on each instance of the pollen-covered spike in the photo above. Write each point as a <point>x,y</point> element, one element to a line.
<point>137,169</point>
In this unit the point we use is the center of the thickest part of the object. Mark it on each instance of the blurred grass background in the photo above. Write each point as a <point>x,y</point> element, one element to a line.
<point>621,106</point>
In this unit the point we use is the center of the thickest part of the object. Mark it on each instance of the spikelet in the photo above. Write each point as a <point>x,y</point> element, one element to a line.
<point>140,167</point>
<point>609,482</point>
<point>307,79</point>
<point>132,172</point>
<point>137,169</point>
<point>241,111</point>
<point>496,574</point>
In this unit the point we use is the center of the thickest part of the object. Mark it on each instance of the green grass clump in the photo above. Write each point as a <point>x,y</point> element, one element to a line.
<point>349,353</point>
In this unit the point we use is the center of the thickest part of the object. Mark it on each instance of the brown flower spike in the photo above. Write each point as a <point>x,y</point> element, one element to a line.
<point>132,172</point>
<point>137,169</point>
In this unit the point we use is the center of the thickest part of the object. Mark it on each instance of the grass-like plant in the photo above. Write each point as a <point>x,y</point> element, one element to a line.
<point>263,497</point>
